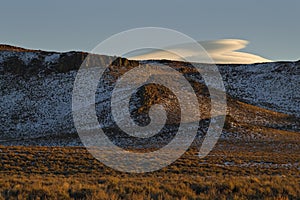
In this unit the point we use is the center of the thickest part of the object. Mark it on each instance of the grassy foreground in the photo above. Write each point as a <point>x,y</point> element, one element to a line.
<point>239,170</point>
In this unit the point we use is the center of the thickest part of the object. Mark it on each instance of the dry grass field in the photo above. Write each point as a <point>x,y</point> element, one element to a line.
<point>233,170</point>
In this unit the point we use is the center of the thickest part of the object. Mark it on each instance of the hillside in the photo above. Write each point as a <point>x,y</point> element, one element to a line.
<point>36,90</point>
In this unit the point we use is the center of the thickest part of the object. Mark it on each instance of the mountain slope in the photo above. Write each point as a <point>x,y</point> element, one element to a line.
<point>36,90</point>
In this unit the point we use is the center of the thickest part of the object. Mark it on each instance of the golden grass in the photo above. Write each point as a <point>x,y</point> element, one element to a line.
<point>233,170</point>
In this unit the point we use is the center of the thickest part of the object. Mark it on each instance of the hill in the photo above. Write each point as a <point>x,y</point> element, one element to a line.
<point>36,90</point>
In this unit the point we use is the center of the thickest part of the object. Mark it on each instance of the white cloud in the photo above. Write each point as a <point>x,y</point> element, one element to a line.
<point>221,51</point>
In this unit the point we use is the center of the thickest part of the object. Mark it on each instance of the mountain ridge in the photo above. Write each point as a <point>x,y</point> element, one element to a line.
<point>7,47</point>
<point>36,90</point>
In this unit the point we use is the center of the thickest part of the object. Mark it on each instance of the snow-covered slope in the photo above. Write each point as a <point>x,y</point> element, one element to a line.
<point>36,95</point>
<point>274,86</point>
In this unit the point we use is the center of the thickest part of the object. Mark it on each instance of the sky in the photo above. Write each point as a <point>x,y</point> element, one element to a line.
<point>272,28</point>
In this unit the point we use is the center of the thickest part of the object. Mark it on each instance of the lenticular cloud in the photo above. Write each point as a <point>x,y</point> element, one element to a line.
<point>223,51</point>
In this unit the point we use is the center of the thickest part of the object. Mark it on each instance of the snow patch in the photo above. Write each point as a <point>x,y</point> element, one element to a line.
<point>52,58</point>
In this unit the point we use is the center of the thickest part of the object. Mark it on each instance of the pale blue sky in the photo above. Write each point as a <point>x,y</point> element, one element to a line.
<point>272,27</point>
